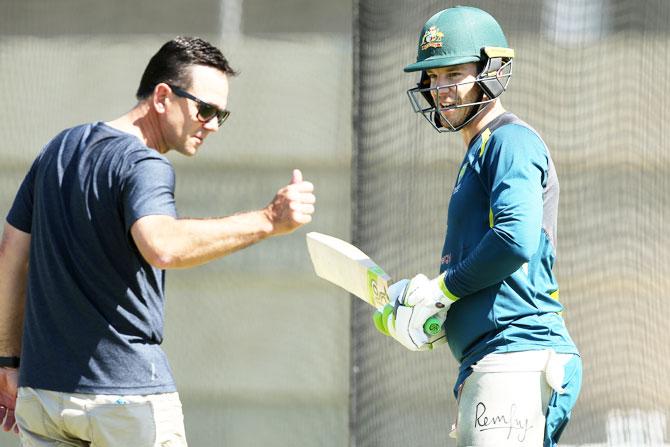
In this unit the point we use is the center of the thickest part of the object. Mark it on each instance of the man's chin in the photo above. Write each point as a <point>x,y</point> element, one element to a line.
<point>456,119</point>
<point>189,151</point>
<point>450,124</point>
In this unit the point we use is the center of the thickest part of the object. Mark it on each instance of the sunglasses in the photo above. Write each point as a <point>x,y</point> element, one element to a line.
<point>206,111</point>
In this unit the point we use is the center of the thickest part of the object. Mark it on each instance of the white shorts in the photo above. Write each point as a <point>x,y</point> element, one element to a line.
<point>54,419</point>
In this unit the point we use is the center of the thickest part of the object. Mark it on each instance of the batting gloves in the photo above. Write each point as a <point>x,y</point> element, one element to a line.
<point>416,312</point>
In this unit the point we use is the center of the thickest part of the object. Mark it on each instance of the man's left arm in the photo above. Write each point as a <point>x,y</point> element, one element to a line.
<point>14,256</point>
<point>515,174</point>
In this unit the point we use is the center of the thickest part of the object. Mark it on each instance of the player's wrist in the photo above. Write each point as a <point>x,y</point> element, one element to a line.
<point>11,362</point>
<point>441,293</point>
<point>266,222</point>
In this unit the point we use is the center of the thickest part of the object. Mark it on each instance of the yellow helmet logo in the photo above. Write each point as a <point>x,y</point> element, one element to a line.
<point>432,38</point>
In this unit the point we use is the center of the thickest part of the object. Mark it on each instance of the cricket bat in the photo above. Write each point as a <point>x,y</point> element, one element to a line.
<point>348,267</point>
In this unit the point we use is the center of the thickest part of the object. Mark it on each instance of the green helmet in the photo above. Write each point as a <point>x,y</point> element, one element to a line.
<point>457,36</point>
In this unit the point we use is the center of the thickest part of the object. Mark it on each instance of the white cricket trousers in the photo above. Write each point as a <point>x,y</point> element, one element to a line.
<point>504,401</point>
<point>54,419</point>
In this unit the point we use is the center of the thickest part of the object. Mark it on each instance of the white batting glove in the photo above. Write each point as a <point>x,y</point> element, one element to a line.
<point>413,304</point>
<point>420,300</point>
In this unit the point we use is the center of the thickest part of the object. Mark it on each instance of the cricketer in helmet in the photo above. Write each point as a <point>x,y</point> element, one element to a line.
<point>459,48</point>
<point>496,297</point>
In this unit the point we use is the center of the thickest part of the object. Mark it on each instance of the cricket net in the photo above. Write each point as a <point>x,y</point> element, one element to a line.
<point>591,77</point>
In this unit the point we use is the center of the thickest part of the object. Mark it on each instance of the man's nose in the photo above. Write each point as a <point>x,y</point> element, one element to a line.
<point>443,90</point>
<point>212,125</point>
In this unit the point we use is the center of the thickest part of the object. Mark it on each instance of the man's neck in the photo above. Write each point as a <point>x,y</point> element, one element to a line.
<point>493,110</point>
<point>143,124</point>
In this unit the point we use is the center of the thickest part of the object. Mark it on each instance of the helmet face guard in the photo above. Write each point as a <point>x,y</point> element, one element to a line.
<point>493,80</point>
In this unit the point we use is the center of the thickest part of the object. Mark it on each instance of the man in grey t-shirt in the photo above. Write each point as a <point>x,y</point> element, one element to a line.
<point>83,256</point>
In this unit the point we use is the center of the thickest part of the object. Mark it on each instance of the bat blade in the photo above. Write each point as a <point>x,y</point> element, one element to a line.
<point>348,267</point>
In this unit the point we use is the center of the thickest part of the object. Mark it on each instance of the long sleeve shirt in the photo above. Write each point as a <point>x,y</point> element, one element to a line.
<point>500,247</point>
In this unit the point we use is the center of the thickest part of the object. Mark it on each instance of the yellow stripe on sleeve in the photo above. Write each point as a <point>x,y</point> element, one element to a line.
<point>445,291</point>
<point>485,139</point>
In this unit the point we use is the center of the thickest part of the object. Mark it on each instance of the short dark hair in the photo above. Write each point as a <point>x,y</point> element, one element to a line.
<point>172,62</point>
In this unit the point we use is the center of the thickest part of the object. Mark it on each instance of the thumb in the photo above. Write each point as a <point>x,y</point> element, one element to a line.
<point>297,177</point>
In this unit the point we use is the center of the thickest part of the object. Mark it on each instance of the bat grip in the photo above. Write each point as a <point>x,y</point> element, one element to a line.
<point>433,325</point>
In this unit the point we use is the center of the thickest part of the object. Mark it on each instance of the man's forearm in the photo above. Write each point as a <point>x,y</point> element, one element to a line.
<point>170,243</point>
<point>199,241</point>
<point>14,253</point>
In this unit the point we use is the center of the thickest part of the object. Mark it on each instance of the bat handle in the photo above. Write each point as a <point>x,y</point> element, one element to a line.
<point>433,325</point>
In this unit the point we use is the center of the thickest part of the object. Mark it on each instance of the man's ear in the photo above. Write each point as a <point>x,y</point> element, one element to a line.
<point>160,97</point>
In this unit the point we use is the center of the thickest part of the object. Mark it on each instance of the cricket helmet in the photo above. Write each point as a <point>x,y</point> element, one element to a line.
<point>457,36</point>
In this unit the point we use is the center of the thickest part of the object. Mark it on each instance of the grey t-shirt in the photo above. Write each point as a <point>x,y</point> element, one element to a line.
<point>94,311</point>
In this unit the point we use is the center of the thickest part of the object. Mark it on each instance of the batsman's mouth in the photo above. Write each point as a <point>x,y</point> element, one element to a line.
<point>448,106</point>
